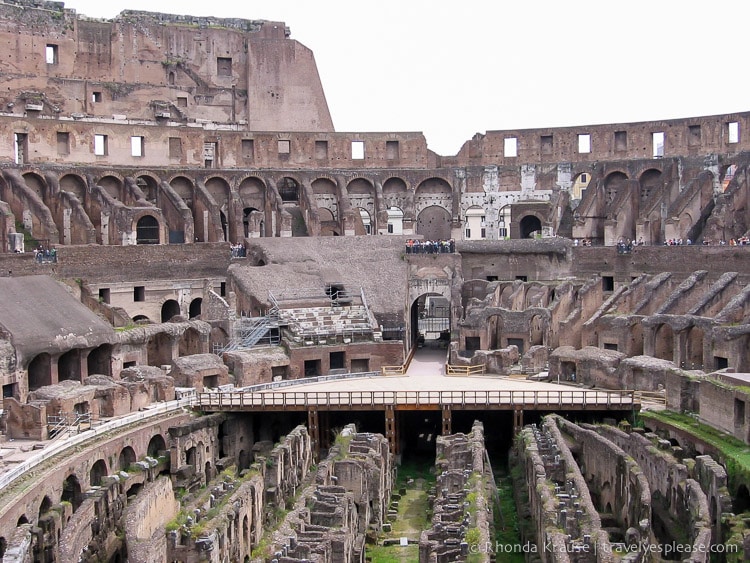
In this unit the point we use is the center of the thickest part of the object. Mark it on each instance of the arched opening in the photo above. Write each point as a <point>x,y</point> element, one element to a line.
<point>149,188</point>
<point>247,225</point>
<point>97,473</point>
<point>650,182</point>
<point>126,458</point>
<point>155,446</point>
<point>328,224</point>
<point>22,520</point>
<point>664,342</point>
<point>218,338</point>
<point>147,230</point>
<point>366,221</point>
<point>536,331</point>
<point>45,506</point>
<point>741,501</point>
<point>434,223</point>
<point>195,308</point>
<point>134,490</point>
<point>289,190</point>
<point>71,492</point>
<point>40,371</point>
<point>190,456</point>
<point>531,227</point>
<point>474,224</point>
<point>208,472</point>
<point>494,332</point>
<point>170,78</point>
<point>169,309</point>
<point>430,319</point>
<point>69,366</point>
<point>246,530</point>
<point>141,320</point>
<point>99,360</point>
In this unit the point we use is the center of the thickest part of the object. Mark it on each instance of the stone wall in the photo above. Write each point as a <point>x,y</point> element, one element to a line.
<point>462,500</point>
<point>145,520</point>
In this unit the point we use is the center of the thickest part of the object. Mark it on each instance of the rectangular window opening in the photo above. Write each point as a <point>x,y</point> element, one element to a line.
<point>510,147</point>
<point>610,346</point>
<point>657,144</point>
<point>139,293</point>
<point>337,360</point>
<point>63,143</point>
<point>100,145</point>
<point>694,135</point>
<point>584,143</point>
<point>96,97</point>
<point>181,101</point>
<point>358,150</point>
<point>621,141</point>
<point>391,150</point>
<point>608,283</point>
<point>546,144</point>
<point>104,295</point>
<point>136,146</point>
<point>321,150</point>
<point>51,54</point>
<point>734,132</point>
<point>175,147</point>
<point>224,66</point>
<point>248,149</point>
<point>21,148</point>
<point>223,289</point>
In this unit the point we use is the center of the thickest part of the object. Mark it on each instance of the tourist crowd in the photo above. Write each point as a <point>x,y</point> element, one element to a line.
<point>45,255</point>
<point>238,251</point>
<point>416,246</point>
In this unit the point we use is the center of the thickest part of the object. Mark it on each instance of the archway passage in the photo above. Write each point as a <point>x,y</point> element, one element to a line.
<point>156,445</point>
<point>434,223</point>
<point>72,492</point>
<point>530,226</point>
<point>126,458</point>
<point>69,366</point>
<point>195,307</point>
<point>40,371</point>
<point>170,309</point>
<point>147,230</point>
<point>99,360</point>
<point>430,319</point>
<point>97,473</point>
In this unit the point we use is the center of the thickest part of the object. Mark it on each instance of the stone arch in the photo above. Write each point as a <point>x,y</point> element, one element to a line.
<point>40,371</point>
<point>184,188</point>
<point>649,182</point>
<point>38,185</point>
<point>112,185</point>
<point>218,338</point>
<point>195,308</point>
<point>22,520</point>
<point>430,315</point>
<point>328,224</point>
<point>149,186</point>
<point>44,506</point>
<point>156,445</point>
<point>396,193</point>
<point>289,190</point>
<point>434,223</point>
<point>99,360</point>
<point>219,189</point>
<point>529,226</point>
<point>74,184</point>
<point>98,472</point>
<point>159,349</point>
<point>147,230</point>
<point>126,458</point>
<point>252,193</point>
<point>190,342</point>
<point>141,319</point>
<point>614,183</point>
<point>69,366</point>
<point>664,342</point>
<point>71,491</point>
<point>365,222</point>
<point>247,213</point>
<point>741,500</point>
<point>170,308</point>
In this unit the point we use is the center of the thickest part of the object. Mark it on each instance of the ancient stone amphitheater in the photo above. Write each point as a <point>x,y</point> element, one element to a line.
<point>228,330</point>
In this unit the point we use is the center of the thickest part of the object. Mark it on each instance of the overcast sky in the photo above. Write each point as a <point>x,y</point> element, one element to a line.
<point>453,69</point>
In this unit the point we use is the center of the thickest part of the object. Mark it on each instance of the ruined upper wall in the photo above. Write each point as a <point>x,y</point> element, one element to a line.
<point>155,66</point>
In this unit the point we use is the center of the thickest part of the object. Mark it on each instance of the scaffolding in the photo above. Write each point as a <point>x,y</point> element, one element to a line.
<point>72,423</point>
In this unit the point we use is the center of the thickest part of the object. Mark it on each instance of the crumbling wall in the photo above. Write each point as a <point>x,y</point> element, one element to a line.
<point>145,520</point>
<point>349,497</point>
<point>461,508</point>
<point>682,505</point>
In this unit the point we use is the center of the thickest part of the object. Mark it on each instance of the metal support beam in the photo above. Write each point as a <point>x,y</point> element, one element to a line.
<point>313,427</point>
<point>447,420</point>
<point>391,432</point>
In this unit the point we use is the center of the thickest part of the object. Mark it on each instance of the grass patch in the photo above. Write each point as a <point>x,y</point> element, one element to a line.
<point>735,453</point>
<point>393,553</point>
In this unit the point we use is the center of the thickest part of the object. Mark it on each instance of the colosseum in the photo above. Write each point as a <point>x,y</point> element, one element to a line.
<point>231,333</point>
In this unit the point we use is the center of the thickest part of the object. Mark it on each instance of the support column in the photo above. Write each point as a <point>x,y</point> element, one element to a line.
<point>391,432</point>
<point>324,421</point>
<point>313,428</point>
<point>517,421</point>
<point>447,419</point>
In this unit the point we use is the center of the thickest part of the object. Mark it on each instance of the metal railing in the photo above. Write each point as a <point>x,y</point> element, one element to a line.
<point>375,399</point>
<point>464,370</point>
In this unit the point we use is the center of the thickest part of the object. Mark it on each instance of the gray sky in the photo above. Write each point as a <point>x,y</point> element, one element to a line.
<point>453,69</point>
